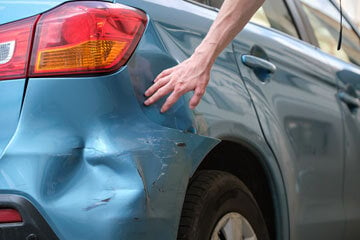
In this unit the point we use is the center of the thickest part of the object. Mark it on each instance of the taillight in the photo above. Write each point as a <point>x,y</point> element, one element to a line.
<point>85,37</point>
<point>9,215</point>
<point>75,38</point>
<point>15,43</point>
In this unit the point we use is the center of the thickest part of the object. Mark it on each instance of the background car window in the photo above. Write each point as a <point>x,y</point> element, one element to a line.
<point>325,21</point>
<point>275,14</point>
<point>261,18</point>
<point>216,3</point>
<point>201,1</point>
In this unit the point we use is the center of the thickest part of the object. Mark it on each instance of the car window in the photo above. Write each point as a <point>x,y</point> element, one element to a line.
<point>201,1</point>
<point>324,18</point>
<point>275,14</point>
<point>216,3</point>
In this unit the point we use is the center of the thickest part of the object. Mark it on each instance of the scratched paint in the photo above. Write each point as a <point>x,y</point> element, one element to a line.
<point>99,157</point>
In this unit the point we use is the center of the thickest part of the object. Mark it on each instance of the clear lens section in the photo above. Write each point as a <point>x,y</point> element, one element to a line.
<point>15,43</point>
<point>6,51</point>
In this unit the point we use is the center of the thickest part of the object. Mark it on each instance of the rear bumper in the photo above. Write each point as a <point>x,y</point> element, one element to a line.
<point>33,226</point>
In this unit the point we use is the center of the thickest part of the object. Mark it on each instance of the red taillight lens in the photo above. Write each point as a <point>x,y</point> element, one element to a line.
<point>15,42</point>
<point>84,37</point>
<point>8,215</point>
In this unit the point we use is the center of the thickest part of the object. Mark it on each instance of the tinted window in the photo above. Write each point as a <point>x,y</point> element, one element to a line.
<point>216,3</point>
<point>201,1</point>
<point>275,14</point>
<point>324,19</point>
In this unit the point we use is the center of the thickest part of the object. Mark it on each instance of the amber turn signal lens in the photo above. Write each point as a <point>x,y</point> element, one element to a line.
<point>87,55</point>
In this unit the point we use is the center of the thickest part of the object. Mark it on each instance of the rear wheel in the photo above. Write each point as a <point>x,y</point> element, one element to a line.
<point>218,206</point>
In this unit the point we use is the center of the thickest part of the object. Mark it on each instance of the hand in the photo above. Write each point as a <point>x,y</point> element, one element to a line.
<point>191,75</point>
<point>194,73</point>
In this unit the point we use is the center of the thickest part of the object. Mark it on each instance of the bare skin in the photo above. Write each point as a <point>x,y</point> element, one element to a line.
<point>193,74</point>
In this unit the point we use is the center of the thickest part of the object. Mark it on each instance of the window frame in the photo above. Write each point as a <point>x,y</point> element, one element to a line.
<point>310,31</point>
<point>302,27</point>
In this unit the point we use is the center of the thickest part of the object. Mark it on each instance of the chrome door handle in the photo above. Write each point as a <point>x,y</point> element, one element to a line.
<point>257,63</point>
<point>349,100</point>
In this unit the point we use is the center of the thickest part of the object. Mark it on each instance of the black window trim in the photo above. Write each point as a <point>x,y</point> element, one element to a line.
<point>206,5</point>
<point>346,17</point>
<point>297,18</point>
<point>306,25</point>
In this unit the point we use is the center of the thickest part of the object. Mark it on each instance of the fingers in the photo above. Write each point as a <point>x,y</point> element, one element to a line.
<point>156,86</point>
<point>166,89</point>
<point>172,99</point>
<point>177,81</point>
<point>195,99</point>
<point>164,73</point>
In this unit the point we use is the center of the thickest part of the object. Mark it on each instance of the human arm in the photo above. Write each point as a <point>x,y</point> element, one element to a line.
<point>193,74</point>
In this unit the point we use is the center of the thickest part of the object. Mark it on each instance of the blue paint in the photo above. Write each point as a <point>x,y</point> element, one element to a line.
<point>84,150</point>
<point>98,164</point>
<point>11,94</point>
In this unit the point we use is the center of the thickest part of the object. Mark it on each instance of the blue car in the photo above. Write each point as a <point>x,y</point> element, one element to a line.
<point>271,152</point>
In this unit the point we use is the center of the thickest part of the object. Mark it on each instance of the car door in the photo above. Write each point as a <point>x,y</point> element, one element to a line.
<point>344,66</point>
<point>300,117</point>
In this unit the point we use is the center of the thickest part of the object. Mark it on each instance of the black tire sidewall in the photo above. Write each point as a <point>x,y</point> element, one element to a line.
<point>228,194</point>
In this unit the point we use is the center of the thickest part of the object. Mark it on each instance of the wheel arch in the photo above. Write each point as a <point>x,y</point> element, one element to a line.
<point>259,171</point>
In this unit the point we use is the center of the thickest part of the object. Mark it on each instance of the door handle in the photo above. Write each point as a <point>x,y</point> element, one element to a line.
<point>257,63</point>
<point>351,101</point>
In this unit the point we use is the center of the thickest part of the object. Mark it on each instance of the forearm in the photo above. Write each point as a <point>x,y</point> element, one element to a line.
<point>193,74</point>
<point>232,17</point>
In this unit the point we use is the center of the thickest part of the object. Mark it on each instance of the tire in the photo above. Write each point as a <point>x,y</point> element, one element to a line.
<point>211,198</point>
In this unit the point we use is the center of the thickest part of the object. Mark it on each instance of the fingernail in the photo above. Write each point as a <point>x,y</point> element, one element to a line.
<point>147,102</point>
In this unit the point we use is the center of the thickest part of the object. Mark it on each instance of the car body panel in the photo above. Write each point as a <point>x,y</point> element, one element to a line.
<point>97,163</point>
<point>348,77</point>
<point>226,111</point>
<point>301,119</point>
<point>352,169</point>
<point>84,153</point>
<point>111,176</point>
<point>102,163</point>
<point>11,95</point>
<point>149,60</point>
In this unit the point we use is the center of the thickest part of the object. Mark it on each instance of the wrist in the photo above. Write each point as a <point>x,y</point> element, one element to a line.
<point>204,55</point>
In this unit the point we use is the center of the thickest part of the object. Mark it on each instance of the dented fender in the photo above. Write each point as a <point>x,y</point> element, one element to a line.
<point>96,163</point>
